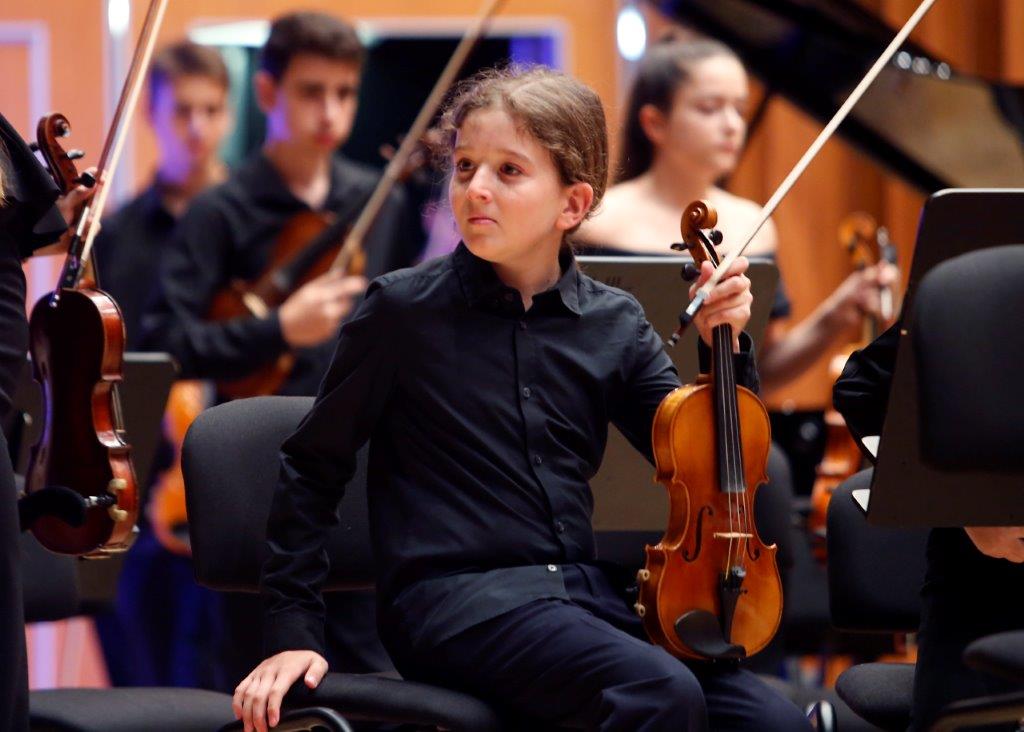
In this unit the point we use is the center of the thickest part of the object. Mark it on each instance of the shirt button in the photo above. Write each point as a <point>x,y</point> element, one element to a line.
<point>559,527</point>
<point>537,459</point>
<point>552,568</point>
<point>526,392</point>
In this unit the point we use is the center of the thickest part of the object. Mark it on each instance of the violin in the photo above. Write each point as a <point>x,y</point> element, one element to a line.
<point>710,589</point>
<point>867,244</point>
<point>81,466</point>
<point>77,348</point>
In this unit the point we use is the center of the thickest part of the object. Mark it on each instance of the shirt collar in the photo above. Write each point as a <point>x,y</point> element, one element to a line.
<point>484,289</point>
<point>264,183</point>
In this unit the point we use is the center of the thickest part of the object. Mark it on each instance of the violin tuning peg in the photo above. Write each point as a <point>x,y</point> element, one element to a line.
<point>75,154</point>
<point>33,146</point>
<point>678,246</point>
<point>715,236</point>
<point>690,272</point>
<point>86,179</point>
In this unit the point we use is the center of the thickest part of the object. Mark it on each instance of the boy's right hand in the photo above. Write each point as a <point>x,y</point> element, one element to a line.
<point>313,313</point>
<point>257,700</point>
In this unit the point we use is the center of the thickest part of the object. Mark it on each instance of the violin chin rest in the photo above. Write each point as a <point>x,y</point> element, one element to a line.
<point>58,501</point>
<point>701,632</point>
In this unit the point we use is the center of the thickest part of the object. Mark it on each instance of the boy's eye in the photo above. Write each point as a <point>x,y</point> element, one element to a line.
<point>462,165</point>
<point>509,169</point>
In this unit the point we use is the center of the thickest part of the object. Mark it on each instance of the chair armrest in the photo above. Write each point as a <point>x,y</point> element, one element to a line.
<point>303,720</point>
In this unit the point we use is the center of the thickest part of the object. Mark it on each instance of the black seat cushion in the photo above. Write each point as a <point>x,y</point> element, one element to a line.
<point>881,693</point>
<point>384,699</point>
<point>128,710</point>
<point>1000,654</point>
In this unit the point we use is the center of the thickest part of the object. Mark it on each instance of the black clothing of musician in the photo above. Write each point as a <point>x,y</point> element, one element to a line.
<point>28,221</point>
<point>228,233</point>
<point>485,423</point>
<point>966,594</point>
<point>128,251</point>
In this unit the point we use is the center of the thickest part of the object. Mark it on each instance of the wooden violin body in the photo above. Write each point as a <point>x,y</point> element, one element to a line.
<point>77,350</point>
<point>305,248</point>
<point>710,589</point>
<point>686,570</point>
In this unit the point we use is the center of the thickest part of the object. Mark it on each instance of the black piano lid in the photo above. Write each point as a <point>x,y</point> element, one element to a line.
<point>932,126</point>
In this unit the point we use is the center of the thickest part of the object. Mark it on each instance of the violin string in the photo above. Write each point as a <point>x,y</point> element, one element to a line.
<point>719,336</point>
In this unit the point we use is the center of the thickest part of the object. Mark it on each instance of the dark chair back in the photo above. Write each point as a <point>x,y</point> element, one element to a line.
<point>230,463</point>
<point>969,348</point>
<point>874,572</point>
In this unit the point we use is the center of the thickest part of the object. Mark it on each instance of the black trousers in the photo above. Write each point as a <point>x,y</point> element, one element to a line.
<point>587,664</point>
<point>966,596</point>
<point>13,669</point>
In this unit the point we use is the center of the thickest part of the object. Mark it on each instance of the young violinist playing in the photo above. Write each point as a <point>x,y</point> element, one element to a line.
<point>485,381</point>
<point>684,130</point>
<point>307,86</point>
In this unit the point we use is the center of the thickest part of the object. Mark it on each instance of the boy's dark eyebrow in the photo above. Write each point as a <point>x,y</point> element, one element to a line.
<point>505,150</point>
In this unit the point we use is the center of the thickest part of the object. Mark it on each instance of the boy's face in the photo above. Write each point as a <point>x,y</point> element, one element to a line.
<point>506,193</point>
<point>190,117</point>
<point>313,105</point>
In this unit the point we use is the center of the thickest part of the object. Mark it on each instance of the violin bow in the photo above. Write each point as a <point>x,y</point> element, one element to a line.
<point>698,301</point>
<point>354,240</point>
<point>89,221</point>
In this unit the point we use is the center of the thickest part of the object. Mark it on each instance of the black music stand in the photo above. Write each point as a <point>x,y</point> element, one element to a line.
<point>905,491</point>
<point>147,382</point>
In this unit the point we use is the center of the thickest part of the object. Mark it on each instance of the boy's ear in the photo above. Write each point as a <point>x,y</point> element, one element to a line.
<point>265,88</point>
<point>577,204</point>
<point>653,123</point>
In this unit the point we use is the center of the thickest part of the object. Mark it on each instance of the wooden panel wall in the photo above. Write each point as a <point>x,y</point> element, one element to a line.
<point>981,36</point>
<point>984,37</point>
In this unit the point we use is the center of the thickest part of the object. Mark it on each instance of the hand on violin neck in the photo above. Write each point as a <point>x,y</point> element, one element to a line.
<point>313,313</point>
<point>70,205</point>
<point>859,295</point>
<point>728,303</point>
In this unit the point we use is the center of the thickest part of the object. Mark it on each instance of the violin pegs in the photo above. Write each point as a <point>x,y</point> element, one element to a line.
<point>75,154</point>
<point>690,272</point>
<point>716,237</point>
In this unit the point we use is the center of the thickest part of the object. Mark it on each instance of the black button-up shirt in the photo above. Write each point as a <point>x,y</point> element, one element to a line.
<point>485,423</point>
<point>229,233</point>
<point>129,249</point>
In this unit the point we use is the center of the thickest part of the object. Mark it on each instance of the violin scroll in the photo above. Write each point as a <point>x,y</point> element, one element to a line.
<point>60,162</point>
